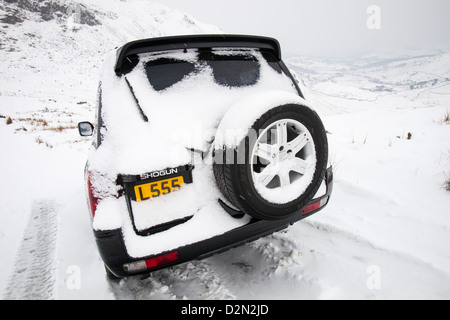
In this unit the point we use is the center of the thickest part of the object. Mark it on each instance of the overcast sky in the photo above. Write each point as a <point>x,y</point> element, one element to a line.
<point>331,28</point>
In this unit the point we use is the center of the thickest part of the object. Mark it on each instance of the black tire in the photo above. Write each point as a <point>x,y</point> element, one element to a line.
<point>235,173</point>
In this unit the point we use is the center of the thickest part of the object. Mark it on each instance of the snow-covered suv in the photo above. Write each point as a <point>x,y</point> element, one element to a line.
<point>201,143</point>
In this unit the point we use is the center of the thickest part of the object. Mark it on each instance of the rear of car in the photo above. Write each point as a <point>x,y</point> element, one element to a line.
<point>201,143</point>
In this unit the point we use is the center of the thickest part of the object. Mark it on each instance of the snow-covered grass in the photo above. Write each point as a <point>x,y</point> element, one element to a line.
<point>384,235</point>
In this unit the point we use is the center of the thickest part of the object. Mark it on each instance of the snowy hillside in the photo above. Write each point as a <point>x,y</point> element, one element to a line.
<point>385,233</point>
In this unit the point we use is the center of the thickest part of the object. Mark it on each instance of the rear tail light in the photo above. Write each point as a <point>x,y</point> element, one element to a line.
<point>93,200</point>
<point>151,263</point>
<point>314,206</point>
<point>109,188</point>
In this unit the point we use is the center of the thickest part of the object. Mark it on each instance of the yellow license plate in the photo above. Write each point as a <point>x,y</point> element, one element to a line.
<point>157,188</point>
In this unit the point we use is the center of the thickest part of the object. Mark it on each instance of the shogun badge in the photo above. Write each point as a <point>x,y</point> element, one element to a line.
<point>160,173</point>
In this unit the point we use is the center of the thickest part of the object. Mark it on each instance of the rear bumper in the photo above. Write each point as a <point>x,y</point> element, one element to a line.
<point>112,248</point>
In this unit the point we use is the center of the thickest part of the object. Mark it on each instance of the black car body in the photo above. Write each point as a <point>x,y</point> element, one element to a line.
<point>168,119</point>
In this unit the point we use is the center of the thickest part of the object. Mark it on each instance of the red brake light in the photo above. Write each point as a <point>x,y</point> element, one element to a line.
<point>162,259</point>
<point>311,207</point>
<point>93,200</point>
<point>157,261</point>
<point>315,205</point>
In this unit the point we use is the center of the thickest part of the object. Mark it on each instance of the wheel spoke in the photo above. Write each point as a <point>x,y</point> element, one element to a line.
<point>264,151</point>
<point>281,134</point>
<point>267,175</point>
<point>284,178</point>
<point>298,143</point>
<point>298,165</point>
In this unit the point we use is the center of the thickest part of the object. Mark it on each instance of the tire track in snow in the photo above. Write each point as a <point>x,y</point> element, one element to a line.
<point>34,272</point>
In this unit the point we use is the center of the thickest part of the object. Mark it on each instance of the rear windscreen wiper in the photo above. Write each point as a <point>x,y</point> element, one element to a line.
<point>136,100</point>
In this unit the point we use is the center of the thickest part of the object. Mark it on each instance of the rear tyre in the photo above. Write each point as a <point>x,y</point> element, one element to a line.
<point>278,167</point>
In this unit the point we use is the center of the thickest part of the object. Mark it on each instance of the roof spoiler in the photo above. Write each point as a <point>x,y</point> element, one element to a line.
<point>196,41</point>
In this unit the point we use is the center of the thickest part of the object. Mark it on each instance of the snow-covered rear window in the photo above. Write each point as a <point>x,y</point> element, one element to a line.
<point>165,72</point>
<point>230,69</point>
